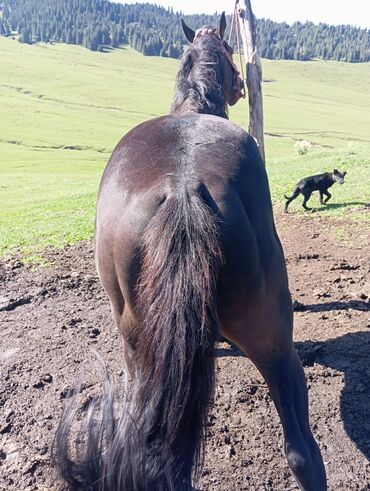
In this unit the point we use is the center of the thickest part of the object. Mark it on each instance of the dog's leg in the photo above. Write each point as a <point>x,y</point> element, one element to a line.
<point>328,196</point>
<point>307,196</point>
<point>321,197</point>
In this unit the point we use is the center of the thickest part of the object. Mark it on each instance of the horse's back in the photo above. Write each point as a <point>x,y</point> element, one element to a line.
<point>162,155</point>
<point>190,146</point>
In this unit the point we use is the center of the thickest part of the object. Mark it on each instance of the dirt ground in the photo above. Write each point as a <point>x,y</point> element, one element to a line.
<point>52,319</point>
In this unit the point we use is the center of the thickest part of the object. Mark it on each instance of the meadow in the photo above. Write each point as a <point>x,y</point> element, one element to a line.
<point>64,108</point>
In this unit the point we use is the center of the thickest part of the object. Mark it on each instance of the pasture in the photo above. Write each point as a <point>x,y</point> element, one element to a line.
<point>63,109</point>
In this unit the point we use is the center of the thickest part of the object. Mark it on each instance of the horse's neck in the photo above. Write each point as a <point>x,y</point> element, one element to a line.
<point>202,97</point>
<point>191,104</point>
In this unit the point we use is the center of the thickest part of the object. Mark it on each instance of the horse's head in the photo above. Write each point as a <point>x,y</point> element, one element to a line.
<point>230,79</point>
<point>208,79</point>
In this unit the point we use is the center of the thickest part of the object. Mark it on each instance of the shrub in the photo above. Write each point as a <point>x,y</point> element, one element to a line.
<point>302,147</point>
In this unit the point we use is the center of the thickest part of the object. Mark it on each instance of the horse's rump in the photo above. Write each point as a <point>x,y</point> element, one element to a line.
<point>168,157</point>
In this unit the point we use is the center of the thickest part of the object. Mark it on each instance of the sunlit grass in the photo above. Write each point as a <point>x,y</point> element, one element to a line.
<point>64,108</point>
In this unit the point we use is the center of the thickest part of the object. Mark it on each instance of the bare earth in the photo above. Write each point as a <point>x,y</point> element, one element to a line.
<point>53,318</point>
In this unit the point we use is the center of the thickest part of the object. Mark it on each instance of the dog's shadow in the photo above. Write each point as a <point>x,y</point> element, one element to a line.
<point>349,354</point>
<point>360,305</point>
<point>332,206</point>
<point>337,206</point>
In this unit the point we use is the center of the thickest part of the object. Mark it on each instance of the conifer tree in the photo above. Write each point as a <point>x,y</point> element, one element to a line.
<point>154,30</point>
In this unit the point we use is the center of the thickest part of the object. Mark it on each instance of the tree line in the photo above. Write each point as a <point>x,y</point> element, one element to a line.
<point>156,31</point>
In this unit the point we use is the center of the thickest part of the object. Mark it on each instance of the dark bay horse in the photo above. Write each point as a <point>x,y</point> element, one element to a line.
<point>186,248</point>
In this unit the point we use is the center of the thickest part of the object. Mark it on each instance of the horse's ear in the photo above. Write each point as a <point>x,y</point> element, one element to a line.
<point>189,33</point>
<point>222,25</point>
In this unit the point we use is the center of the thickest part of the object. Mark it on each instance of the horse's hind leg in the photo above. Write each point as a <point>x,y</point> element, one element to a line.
<point>284,375</point>
<point>115,283</point>
<point>267,339</point>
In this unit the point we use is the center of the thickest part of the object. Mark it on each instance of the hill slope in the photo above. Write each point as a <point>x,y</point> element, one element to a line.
<point>64,108</point>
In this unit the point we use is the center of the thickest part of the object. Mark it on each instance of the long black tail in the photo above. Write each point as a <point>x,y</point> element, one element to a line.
<point>157,442</point>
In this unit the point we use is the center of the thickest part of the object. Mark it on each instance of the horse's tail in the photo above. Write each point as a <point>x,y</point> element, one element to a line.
<point>175,350</point>
<point>157,443</point>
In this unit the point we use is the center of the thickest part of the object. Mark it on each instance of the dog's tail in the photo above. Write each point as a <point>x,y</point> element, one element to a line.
<point>294,194</point>
<point>291,198</point>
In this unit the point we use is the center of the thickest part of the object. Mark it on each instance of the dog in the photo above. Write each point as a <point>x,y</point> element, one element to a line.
<point>319,182</point>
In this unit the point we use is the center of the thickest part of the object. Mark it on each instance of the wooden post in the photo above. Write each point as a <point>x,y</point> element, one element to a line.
<point>253,73</point>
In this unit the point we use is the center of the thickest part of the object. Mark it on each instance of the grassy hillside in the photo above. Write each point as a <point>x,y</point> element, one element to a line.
<point>64,108</point>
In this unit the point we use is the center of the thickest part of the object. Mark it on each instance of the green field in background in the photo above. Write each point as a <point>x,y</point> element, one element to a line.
<point>64,108</point>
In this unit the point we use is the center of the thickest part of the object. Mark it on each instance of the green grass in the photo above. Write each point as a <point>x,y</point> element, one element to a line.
<point>64,108</point>
<point>347,199</point>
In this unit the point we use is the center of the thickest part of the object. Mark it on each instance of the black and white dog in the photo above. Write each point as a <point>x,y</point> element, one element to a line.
<point>320,182</point>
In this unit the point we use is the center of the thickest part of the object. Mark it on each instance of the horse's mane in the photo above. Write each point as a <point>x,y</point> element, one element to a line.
<point>199,80</point>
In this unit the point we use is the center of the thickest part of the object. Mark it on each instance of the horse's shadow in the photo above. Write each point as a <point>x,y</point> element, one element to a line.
<point>349,354</point>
